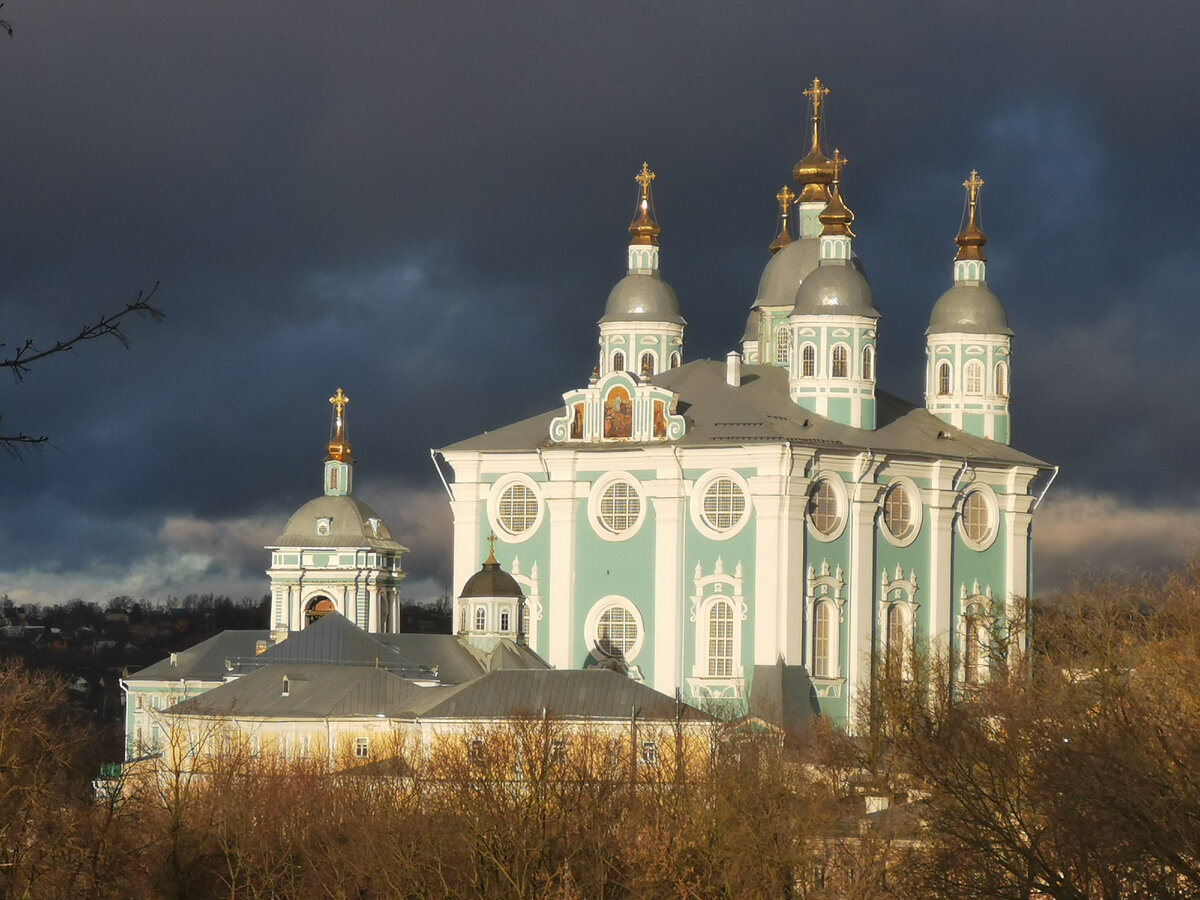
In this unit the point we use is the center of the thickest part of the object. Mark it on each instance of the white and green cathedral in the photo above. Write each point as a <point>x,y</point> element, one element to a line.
<point>771,532</point>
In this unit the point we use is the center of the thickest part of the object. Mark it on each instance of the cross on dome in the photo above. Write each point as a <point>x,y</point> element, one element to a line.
<point>816,93</point>
<point>339,446</point>
<point>644,229</point>
<point>972,239</point>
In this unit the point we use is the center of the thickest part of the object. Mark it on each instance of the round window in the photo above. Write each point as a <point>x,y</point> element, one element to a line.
<point>898,516</point>
<point>724,504</point>
<point>620,507</point>
<point>518,509</point>
<point>616,632</point>
<point>823,508</point>
<point>976,517</point>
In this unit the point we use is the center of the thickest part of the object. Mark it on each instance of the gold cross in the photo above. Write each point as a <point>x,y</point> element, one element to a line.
<point>973,184</point>
<point>339,401</point>
<point>816,93</point>
<point>839,163</point>
<point>492,542</point>
<point>644,179</point>
<point>785,198</point>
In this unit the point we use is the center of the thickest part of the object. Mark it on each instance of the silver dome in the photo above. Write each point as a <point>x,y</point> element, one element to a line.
<point>835,289</point>
<point>642,298</point>
<point>968,309</point>
<point>350,526</point>
<point>785,270</point>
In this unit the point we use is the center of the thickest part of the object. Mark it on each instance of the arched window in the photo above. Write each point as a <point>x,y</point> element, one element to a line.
<point>647,363</point>
<point>462,619</point>
<point>943,379</point>
<point>974,649</point>
<point>618,414</point>
<point>868,363</point>
<point>480,618</point>
<point>720,640</point>
<point>333,478</point>
<point>974,377</point>
<point>808,361</point>
<point>894,659</point>
<point>822,640</point>
<point>840,356</point>
<point>618,362</point>
<point>504,621</point>
<point>782,344</point>
<point>1001,380</point>
<point>675,360</point>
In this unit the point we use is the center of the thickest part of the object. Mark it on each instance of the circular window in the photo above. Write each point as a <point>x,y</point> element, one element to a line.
<point>620,507</point>
<point>823,508</point>
<point>617,506</point>
<point>515,508</point>
<point>724,504</point>
<point>901,513</point>
<point>979,518</point>
<point>614,628</point>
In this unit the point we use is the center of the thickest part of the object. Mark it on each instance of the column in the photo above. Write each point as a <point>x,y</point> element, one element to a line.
<point>668,589</point>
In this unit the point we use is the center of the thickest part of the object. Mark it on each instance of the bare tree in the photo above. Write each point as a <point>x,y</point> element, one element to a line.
<point>30,352</point>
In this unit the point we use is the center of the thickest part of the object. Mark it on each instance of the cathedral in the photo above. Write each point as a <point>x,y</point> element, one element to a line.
<point>768,533</point>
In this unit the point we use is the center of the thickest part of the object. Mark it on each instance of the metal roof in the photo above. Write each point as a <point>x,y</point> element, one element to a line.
<point>204,661</point>
<point>762,410</point>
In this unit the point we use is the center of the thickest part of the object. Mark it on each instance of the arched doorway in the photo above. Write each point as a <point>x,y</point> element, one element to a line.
<point>317,607</point>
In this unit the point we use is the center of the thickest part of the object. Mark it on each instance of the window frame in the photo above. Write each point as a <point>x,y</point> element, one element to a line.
<point>916,507</point>
<point>783,345</point>
<point>842,509</point>
<point>593,622</point>
<point>808,360</point>
<point>699,496</point>
<point>973,378</point>
<point>991,530</point>
<point>839,359</point>
<point>597,499</point>
<point>496,498</point>
<point>944,376</point>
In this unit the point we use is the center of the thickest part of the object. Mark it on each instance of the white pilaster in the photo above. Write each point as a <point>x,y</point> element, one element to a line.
<point>668,593</point>
<point>861,589</point>
<point>560,599</point>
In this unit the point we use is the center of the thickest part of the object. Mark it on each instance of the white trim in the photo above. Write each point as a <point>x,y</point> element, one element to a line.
<point>592,622</point>
<point>696,504</point>
<point>596,497</point>
<point>496,492</point>
<point>843,504</point>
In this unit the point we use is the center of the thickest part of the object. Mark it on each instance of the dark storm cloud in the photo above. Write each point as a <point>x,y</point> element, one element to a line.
<point>425,204</point>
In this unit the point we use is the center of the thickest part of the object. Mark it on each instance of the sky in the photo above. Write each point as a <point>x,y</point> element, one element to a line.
<point>426,205</point>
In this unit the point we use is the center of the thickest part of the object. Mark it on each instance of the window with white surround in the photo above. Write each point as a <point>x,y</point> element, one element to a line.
<point>504,620</point>
<point>1001,380</point>
<point>978,518</point>
<point>897,626</point>
<point>480,618</point>
<point>362,748</point>
<point>974,377</point>
<point>724,504</point>
<point>618,364</point>
<point>518,509</point>
<point>514,507</point>
<point>823,507</point>
<point>675,360</point>
<point>841,357</point>
<point>943,379</point>
<point>614,628</point>
<point>650,753</point>
<point>647,367</point>
<point>898,516</point>
<point>782,344</point>
<point>974,650</point>
<point>720,640</point>
<point>824,638</point>
<point>808,361</point>
<point>868,363</point>
<point>620,507</point>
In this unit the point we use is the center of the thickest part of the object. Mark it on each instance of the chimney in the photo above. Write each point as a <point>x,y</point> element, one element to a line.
<point>260,647</point>
<point>733,369</point>
<point>279,634</point>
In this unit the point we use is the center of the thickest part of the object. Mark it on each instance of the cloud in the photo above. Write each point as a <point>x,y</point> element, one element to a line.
<point>1081,532</point>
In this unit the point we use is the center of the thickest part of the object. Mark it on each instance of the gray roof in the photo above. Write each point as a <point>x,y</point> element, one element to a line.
<point>642,298</point>
<point>751,332</point>
<point>349,528</point>
<point>785,270</point>
<point>314,691</point>
<point>204,661</point>
<point>563,693</point>
<point>491,581</point>
<point>835,287</point>
<point>761,410</point>
<point>969,309</point>
<point>783,695</point>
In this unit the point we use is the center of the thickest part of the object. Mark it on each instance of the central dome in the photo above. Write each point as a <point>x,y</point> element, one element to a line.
<point>642,298</point>
<point>838,289</point>
<point>784,272</point>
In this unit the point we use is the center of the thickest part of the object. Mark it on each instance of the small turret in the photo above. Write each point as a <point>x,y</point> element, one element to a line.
<point>641,327</point>
<point>491,606</point>
<point>785,198</point>
<point>339,466</point>
<point>968,342</point>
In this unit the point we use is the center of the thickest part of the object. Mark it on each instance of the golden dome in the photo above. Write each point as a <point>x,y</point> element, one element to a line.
<point>814,173</point>
<point>971,239</point>
<point>339,444</point>
<point>785,198</point>
<point>643,228</point>
<point>836,217</point>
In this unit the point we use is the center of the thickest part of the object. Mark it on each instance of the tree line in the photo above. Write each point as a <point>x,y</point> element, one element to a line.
<point>1068,773</point>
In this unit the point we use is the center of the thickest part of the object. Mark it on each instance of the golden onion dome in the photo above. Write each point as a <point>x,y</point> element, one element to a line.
<point>814,173</point>
<point>643,229</point>
<point>836,217</point>
<point>971,239</point>
<point>785,198</point>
